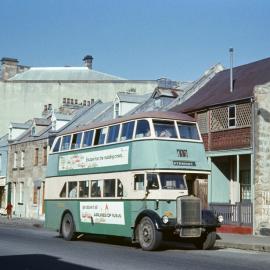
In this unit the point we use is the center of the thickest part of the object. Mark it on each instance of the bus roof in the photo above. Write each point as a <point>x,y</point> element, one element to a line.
<point>159,115</point>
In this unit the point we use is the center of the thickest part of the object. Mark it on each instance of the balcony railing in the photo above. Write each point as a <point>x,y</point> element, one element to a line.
<point>239,214</point>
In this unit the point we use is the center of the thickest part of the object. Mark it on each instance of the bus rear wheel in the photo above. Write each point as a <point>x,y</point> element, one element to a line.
<point>149,237</point>
<point>68,227</point>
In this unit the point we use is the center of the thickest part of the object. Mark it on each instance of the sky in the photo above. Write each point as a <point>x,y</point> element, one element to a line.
<point>139,39</point>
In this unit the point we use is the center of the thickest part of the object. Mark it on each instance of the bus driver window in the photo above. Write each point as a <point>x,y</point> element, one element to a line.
<point>152,181</point>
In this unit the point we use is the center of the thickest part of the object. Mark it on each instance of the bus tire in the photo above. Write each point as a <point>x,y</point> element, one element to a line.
<point>149,237</point>
<point>206,241</point>
<point>68,227</point>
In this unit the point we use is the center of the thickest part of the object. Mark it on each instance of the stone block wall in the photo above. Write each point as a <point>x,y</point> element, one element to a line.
<point>262,159</point>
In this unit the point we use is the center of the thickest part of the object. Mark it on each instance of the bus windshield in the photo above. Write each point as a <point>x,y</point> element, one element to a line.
<point>172,181</point>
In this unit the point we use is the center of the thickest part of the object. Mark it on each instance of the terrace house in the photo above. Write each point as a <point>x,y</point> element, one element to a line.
<point>232,123</point>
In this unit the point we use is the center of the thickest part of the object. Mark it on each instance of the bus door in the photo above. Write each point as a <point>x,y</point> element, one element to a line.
<point>139,193</point>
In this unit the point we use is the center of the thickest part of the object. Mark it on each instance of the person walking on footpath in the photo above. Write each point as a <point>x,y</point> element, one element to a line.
<point>9,210</point>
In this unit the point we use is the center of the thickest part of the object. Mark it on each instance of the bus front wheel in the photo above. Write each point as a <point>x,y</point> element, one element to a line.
<point>149,237</point>
<point>68,227</point>
<point>206,241</point>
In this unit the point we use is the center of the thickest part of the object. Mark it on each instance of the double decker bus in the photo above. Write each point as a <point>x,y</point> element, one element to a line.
<point>130,177</point>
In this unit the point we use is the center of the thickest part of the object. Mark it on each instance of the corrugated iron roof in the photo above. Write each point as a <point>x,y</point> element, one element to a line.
<point>217,90</point>
<point>62,74</point>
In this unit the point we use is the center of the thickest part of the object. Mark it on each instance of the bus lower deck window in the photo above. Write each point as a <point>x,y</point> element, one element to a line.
<point>139,182</point>
<point>83,189</point>
<point>72,189</point>
<point>96,188</point>
<point>109,188</point>
<point>63,192</point>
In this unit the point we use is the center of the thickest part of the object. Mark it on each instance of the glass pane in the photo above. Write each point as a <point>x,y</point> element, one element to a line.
<point>127,131</point>
<point>66,142</point>
<point>96,186</point>
<point>76,140</point>
<point>57,145</point>
<point>72,189</point>
<point>152,181</point>
<point>188,131</point>
<point>164,129</point>
<point>83,189</point>
<point>120,189</point>
<point>87,138</point>
<point>232,112</point>
<point>100,136</point>
<point>232,123</point>
<point>172,181</point>
<point>139,182</point>
<point>143,129</point>
<point>63,192</point>
<point>113,133</point>
<point>109,188</point>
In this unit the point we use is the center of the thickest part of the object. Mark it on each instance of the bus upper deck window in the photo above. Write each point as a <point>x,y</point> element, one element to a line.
<point>139,182</point>
<point>127,131</point>
<point>76,140</point>
<point>152,181</point>
<point>100,136</point>
<point>87,138</point>
<point>57,145</point>
<point>143,129</point>
<point>113,133</point>
<point>188,131</point>
<point>65,143</point>
<point>164,129</point>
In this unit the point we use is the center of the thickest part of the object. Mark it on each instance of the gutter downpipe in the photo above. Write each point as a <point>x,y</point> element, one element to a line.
<point>231,69</point>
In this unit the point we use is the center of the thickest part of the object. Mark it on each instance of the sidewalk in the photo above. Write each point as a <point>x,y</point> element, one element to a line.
<point>246,242</point>
<point>21,222</point>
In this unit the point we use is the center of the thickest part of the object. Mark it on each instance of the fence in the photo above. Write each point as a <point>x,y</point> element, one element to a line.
<point>234,214</point>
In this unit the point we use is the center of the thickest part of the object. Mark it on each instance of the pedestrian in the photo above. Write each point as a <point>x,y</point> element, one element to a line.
<point>9,210</point>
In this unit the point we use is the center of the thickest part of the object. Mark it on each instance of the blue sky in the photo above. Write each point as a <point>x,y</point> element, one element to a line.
<point>140,39</point>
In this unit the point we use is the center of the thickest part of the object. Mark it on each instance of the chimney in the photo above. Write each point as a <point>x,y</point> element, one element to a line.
<point>88,61</point>
<point>231,69</point>
<point>9,67</point>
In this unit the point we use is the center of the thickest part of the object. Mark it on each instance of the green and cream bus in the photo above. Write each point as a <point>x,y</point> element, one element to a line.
<point>130,177</point>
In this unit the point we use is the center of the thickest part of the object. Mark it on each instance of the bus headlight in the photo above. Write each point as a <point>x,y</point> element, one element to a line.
<point>165,219</point>
<point>220,219</point>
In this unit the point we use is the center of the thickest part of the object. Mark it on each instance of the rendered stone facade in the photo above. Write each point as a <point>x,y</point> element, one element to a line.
<point>262,159</point>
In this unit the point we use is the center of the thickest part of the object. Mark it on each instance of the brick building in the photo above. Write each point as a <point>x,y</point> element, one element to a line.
<point>228,120</point>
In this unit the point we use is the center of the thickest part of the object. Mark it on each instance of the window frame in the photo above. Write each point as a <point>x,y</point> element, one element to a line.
<point>232,118</point>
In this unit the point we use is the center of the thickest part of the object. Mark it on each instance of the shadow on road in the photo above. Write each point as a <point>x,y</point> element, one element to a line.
<point>38,262</point>
<point>122,241</point>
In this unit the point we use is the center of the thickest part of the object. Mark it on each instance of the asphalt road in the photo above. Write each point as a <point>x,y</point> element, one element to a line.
<point>36,248</point>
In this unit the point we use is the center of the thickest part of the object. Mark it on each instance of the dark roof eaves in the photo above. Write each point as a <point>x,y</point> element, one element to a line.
<point>215,105</point>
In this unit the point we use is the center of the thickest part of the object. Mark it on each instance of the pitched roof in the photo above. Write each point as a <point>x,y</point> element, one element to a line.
<point>62,74</point>
<point>132,98</point>
<point>217,90</point>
